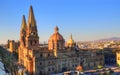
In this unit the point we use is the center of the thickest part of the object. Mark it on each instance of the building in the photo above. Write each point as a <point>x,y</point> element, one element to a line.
<point>109,56</point>
<point>12,45</point>
<point>54,58</point>
<point>8,44</point>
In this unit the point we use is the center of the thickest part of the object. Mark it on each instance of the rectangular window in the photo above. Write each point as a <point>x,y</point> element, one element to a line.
<point>49,69</point>
<point>52,69</point>
<point>40,63</point>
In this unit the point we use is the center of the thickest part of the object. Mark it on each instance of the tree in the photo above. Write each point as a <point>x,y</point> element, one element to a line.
<point>9,60</point>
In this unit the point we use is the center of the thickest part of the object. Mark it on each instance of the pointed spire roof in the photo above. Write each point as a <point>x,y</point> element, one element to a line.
<point>71,37</point>
<point>31,18</point>
<point>70,41</point>
<point>24,25</point>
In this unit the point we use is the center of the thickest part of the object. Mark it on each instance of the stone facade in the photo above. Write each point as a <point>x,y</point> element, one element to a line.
<point>109,56</point>
<point>13,45</point>
<point>43,60</point>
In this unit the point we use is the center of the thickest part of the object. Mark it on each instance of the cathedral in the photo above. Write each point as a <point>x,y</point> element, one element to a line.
<point>58,56</point>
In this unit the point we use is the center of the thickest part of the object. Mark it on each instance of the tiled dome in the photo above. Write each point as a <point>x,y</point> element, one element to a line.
<point>56,41</point>
<point>56,36</point>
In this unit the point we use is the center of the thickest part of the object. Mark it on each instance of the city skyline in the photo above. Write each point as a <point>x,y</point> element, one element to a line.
<point>86,20</point>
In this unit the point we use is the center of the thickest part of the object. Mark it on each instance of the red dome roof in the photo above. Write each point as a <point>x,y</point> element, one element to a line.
<point>56,36</point>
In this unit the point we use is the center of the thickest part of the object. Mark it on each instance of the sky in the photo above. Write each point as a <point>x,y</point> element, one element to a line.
<point>86,19</point>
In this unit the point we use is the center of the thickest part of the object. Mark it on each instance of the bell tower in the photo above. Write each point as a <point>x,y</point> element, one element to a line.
<point>23,32</point>
<point>32,38</point>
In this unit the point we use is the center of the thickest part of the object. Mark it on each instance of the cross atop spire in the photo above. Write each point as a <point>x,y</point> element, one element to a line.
<point>56,29</point>
<point>24,25</point>
<point>31,18</point>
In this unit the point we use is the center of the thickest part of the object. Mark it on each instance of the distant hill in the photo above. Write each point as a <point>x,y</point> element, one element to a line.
<point>110,39</point>
<point>104,40</point>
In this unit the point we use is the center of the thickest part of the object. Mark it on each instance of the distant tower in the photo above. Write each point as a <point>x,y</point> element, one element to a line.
<point>70,42</point>
<point>56,41</point>
<point>32,38</point>
<point>8,44</point>
<point>23,32</point>
<point>12,46</point>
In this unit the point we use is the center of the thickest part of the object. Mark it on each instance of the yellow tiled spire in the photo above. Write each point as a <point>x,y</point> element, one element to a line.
<point>70,41</point>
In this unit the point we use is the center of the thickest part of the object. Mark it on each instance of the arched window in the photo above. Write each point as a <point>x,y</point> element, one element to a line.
<point>34,33</point>
<point>48,54</point>
<point>49,69</point>
<point>40,63</point>
<point>41,55</point>
<point>30,42</point>
<point>75,65</point>
<point>57,45</point>
<point>35,41</point>
<point>52,62</point>
<point>41,73</point>
<point>48,62</point>
<point>52,69</point>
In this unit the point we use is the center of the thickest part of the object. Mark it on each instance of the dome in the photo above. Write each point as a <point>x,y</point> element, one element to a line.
<point>56,35</point>
<point>56,41</point>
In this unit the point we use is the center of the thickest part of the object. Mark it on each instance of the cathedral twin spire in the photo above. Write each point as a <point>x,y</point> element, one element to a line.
<point>31,20</point>
<point>29,35</point>
<point>24,25</point>
<point>23,32</point>
<point>28,32</point>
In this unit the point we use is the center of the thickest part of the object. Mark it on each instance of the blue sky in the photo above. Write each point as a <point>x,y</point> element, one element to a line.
<point>85,19</point>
